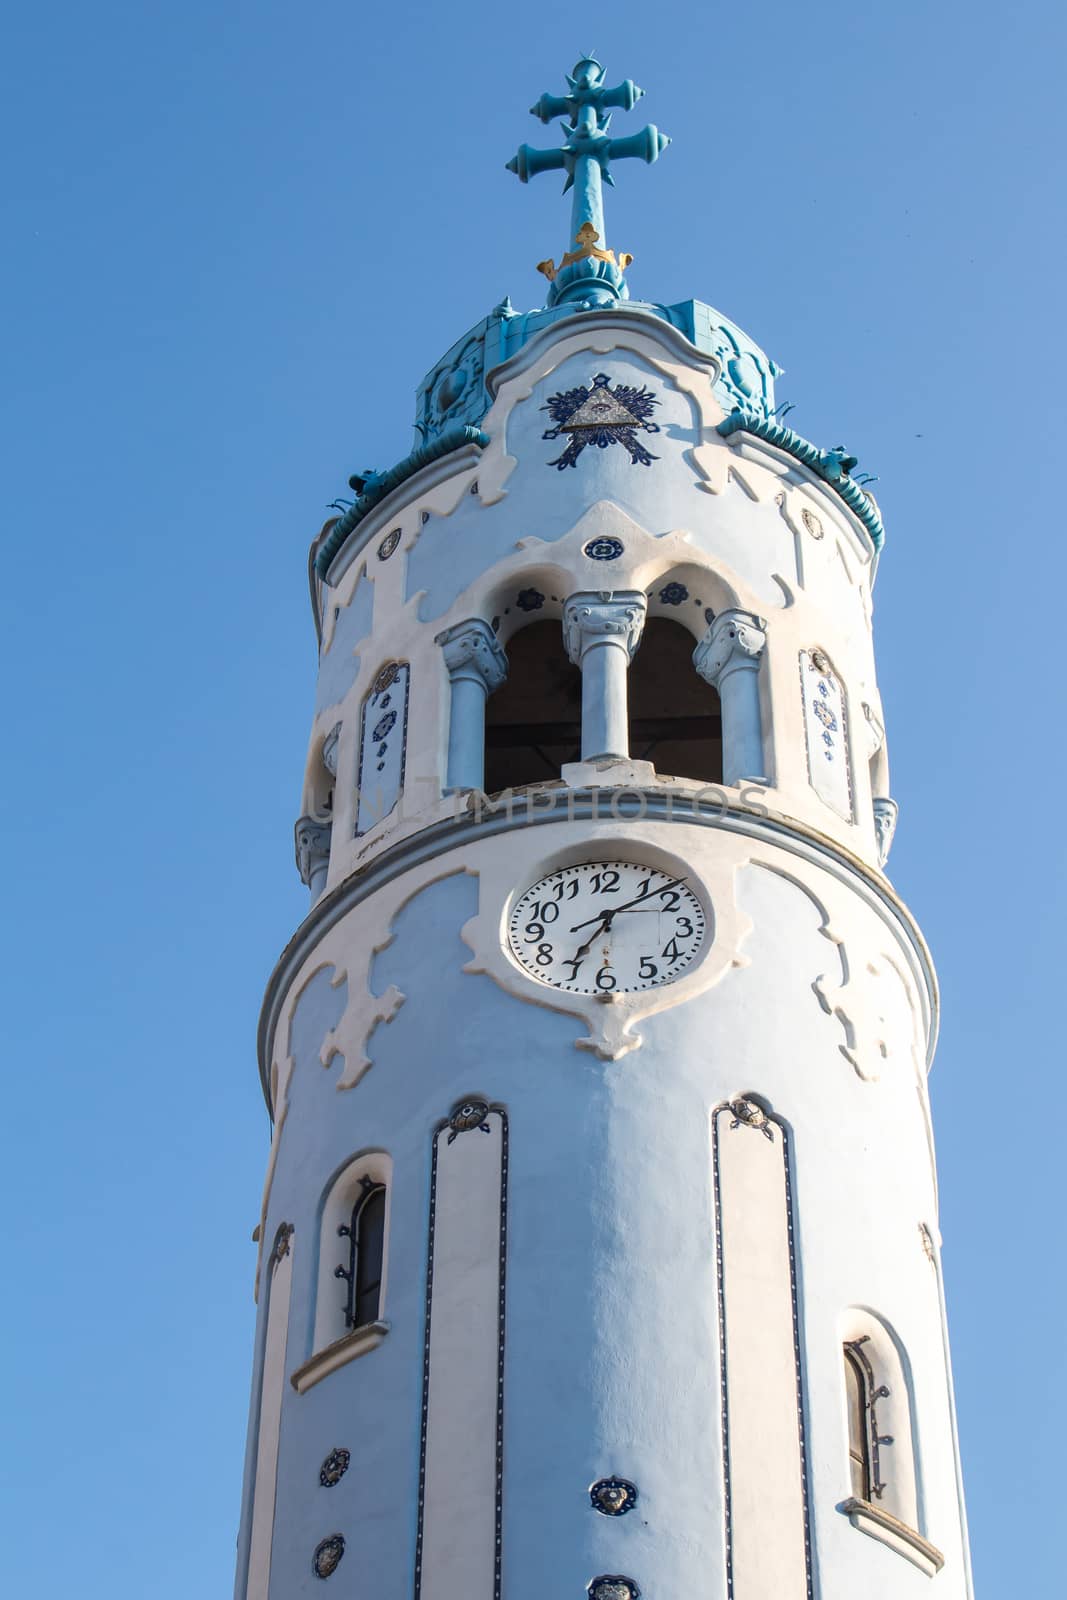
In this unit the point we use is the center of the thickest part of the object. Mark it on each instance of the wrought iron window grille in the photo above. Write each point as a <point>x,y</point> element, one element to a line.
<point>365,1233</point>
<point>872,1393</point>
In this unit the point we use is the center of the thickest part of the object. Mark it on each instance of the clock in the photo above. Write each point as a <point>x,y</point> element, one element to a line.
<point>607,927</point>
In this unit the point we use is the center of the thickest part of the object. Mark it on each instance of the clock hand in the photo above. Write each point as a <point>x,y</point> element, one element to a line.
<point>606,916</point>
<point>583,950</point>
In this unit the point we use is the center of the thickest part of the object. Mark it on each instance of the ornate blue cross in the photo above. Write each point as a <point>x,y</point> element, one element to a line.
<point>587,271</point>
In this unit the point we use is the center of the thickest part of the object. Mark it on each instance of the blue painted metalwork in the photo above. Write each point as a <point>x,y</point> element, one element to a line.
<point>832,466</point>
<point>376,485</point>
<point>588,271</point>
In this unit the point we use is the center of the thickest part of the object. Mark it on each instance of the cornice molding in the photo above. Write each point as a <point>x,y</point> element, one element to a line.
<point>832,466</point>
<point>625,320</point>
<point>382,484</point>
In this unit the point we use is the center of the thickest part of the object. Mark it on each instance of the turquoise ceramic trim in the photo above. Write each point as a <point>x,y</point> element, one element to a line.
<point>455,391</point>
<point>379,484</point>
<point>832,466</point>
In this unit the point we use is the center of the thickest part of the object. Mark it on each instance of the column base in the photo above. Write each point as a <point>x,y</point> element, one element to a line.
<point>609,772</point>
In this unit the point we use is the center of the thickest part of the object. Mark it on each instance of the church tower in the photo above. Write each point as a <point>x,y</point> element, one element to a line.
<point>599,1251</point>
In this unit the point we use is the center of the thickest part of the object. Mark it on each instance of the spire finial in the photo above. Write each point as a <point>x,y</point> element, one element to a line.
<point>588,271</point>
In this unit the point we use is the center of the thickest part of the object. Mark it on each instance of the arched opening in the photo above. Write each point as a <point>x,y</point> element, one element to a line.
<point>675,720</point>
<point>533,723</point>
<point>353,1250</point>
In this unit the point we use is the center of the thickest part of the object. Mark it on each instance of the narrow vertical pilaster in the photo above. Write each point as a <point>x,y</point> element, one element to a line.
<point>458,1539</point>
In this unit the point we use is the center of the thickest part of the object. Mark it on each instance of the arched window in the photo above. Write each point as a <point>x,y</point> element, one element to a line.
<point>533,722</point>
<point>884,1499</point>
<point>352,1268</point>
<point>675,720</point>
<point>362,1270</point>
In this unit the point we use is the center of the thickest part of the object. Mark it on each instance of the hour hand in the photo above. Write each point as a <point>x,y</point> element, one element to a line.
<point>604,924</point>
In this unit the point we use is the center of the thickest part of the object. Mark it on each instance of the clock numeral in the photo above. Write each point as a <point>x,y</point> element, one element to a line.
<point>605,882</point>
<point>575,965</point>
<point>644,886</point>
<point>671,898</point>
<point>685,928</point>
<point>605,979</point>
<point>648,968</point>
<point>671,952</point>
<point>534,931</point>
<point>544,955</point>
<point>548,911</point>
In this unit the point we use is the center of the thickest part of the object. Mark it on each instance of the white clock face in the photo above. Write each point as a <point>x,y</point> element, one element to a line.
<point>607,927</point>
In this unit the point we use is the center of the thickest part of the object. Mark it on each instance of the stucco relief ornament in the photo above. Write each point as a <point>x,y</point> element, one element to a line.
<point>281,1243</point>
<point>602,416</point>
<point>747,1114</point>
<point>312,843</point>
<point>613,1588</point>
<point>470,1114</point>
<point>329,749</point>
<point>388,544</point>
<point>327,1557</point>
<point>613,1497</point>
<point>334,1468</point>
<point>885,825</point>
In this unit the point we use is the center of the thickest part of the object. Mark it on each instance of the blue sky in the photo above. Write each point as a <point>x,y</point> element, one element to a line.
<point>238,235</point>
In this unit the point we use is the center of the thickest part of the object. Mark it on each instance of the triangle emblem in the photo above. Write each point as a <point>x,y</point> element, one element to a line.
<point>601,410</point>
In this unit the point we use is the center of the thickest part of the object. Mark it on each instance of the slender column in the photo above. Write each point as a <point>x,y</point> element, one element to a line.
<point>601,632</point>
<point>476,666</point>
<point>313,853</point>
<point>728,656</point>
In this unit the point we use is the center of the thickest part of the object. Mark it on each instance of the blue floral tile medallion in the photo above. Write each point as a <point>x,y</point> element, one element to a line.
<point>673,594</point>
<point>602,416</point>
<point>603,549</point>
<point>529,600</point>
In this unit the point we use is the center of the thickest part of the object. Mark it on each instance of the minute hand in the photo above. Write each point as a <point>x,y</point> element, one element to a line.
<point>606,916</point>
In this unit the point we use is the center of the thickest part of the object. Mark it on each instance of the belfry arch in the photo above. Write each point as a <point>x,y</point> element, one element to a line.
<point>533,722</point>
<point>675,719</point>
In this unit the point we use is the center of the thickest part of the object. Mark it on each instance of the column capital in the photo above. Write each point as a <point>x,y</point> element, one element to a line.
<point>886,812</point>
<point>606,616</point>
<point>312,840</point>
<point>471,651</point>
<point>734,639</point>
<point>329,749</point>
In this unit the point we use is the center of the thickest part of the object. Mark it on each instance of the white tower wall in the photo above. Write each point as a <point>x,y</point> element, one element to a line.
<point>641,1251</point>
